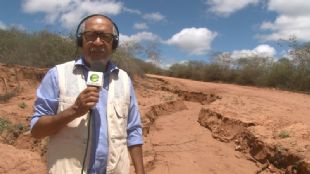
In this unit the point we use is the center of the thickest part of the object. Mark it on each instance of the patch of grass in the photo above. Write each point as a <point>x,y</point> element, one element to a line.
<point>4,124</point>
<point>10,132</point>
<point>22,105</point>
<point>284,134</point>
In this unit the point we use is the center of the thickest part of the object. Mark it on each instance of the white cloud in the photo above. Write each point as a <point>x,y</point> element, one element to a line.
<point>184,62</point>
<point>138,37</point>
<point>18,26</point>
<point>3,26</point>
<point>133,11</point>
<point>227,7</point>
<point>291,8</point>
<point>287,54</point>
<point>164,63</point>
<point>34,6</point>
<point>104,7</point>
<point>263,50</point>
<point>154,17</point>
<point>70,12</point>
<point>195,41</point>
<point>293,20</point>
<point>140,26</point>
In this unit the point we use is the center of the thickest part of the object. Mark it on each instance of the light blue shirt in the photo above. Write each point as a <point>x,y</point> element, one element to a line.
<point>47,104</point>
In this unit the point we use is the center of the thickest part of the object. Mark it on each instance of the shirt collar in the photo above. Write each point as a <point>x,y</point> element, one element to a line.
<point>112,68</point>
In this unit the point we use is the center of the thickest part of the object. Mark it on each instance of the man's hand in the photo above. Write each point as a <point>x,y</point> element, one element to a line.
<point>137,158</point>
<point>86,100</point>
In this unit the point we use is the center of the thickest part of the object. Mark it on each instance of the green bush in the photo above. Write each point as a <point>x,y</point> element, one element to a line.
<point>39,49</point>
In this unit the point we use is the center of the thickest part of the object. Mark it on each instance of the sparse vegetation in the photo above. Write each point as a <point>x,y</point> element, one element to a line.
<point>126,58</point>
<point>288,74</point>
<point>44,49</point>
<point>22,105</point>
<point>10,132</point>
<point>4,124</point>
<point>39,49</point>
<point>284,134</point>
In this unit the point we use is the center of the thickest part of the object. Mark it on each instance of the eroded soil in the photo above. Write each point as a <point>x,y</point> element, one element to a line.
<point>188,126</point>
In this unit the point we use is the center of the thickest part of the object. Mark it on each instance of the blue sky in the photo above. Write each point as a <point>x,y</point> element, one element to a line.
<point>183,29</point>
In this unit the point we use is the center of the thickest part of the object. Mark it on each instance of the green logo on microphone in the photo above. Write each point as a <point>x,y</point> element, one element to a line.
<point>94,78</point>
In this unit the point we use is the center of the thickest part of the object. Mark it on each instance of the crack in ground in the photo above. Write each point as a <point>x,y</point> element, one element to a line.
<point>227,129</point>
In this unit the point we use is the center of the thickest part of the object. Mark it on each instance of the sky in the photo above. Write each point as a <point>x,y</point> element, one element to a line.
<point>183,29</point>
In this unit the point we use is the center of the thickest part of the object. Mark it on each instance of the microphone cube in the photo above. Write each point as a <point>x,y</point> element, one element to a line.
<point>95,78</point>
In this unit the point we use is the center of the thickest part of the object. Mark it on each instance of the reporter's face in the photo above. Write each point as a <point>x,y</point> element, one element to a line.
<point>97,39</point>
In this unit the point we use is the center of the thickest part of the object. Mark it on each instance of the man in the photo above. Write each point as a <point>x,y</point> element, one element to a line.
<point>90,129</point>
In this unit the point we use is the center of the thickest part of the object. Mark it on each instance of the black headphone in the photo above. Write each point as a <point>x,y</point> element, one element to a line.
<point>79,36</point>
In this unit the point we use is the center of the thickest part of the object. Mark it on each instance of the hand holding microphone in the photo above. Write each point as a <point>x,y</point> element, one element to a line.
<point>89,97</point>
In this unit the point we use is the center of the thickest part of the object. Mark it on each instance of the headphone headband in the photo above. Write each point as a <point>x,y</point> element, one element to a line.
<point>79,38</point>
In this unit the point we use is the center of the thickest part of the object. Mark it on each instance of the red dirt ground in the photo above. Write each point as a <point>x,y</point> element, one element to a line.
<point>189,127</point>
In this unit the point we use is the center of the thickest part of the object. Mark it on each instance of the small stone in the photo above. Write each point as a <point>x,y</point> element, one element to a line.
<point>238,148</point>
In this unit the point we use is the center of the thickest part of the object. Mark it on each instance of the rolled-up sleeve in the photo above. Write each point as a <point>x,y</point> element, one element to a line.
<point>47,97</point>
<point>134,128</point>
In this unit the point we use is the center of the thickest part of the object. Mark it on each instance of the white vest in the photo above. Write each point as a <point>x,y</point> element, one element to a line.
<point>67,147</point>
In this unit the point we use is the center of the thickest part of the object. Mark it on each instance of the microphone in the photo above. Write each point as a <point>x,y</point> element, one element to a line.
<point>95,75</point>
<point>94,78</point>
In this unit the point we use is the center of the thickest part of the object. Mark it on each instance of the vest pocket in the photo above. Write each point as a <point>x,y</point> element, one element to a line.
<point>118,122</point>
<point>121,110</point>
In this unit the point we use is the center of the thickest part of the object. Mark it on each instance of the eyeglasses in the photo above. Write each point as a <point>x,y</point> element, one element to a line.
<point>93,35</point>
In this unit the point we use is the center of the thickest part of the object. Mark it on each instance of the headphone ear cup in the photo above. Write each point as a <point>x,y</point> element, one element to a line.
<point>115,43</point>
<point>79,41</point>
